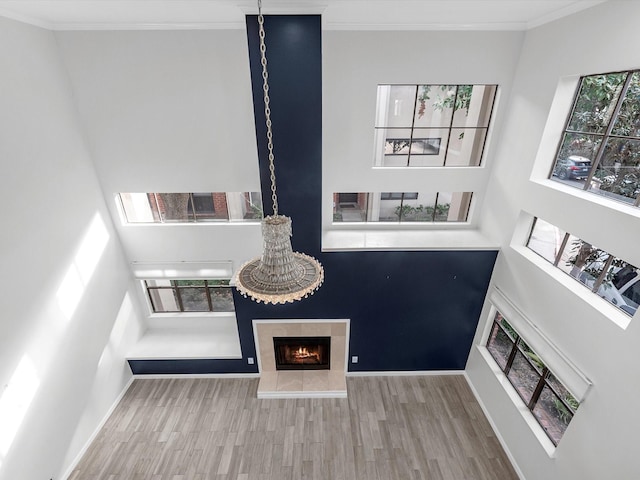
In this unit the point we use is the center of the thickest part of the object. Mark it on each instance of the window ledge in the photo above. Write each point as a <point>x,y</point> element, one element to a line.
<point>608,310</point>
<point>588,196</point>
<point>527,416</point>
<point>191,314</point>
<point>185,336</point>
<point>370,239</point>
<point>208,321</point>
<point>192,224</point>
<point>158,344</point>
<point>431,168</point>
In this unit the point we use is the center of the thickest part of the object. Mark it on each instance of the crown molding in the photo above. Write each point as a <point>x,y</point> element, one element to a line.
<point>22,18</point>
<point>563,12</point>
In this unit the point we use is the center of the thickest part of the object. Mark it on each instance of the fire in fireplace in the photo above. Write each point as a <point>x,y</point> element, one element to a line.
<point>302,353</point>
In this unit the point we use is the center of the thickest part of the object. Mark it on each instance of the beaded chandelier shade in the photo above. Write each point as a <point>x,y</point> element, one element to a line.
<point>280,275</point>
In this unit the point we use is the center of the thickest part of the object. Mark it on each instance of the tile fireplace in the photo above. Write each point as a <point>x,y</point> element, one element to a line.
<point>301,358</point>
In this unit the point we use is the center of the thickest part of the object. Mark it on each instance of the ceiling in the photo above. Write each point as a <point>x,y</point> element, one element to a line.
<point>336,14</point>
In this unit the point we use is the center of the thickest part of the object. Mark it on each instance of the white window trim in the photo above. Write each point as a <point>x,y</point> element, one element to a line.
<point>605,308</point>
<point>562,367</point>
<point>518,245</point>
<point>553,132</point>
<point>511,392</point>
<point>220,270</point>
<point>235,221</point>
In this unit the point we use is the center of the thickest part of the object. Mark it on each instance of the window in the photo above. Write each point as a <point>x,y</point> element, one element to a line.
<point>190,207</point>
<point>600,147</point>
<point>432,125</point>
<point>552,405</point>
<point>609,277</point>
<point>399,196</point>
<point>201,206</point>
<point>412,146</point>
<point>189,295</point>
<point>401,207</point>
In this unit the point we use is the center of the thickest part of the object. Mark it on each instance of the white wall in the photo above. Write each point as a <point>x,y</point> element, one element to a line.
<point>169,111</point>
<point>355,63</point>
<point>601,442</point>
<point>64,280</point>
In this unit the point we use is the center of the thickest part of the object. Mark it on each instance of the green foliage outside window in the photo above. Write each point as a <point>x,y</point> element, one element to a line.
<point>604,127</point>
<point>422,213</point>
<point>461,99</point>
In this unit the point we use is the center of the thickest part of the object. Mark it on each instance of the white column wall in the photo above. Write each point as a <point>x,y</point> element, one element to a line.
<point>601,442</point>
<point>169,111</point>
<point>65,283</point>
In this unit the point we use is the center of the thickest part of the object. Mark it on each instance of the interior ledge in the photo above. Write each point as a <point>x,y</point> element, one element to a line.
<point>353,240</point>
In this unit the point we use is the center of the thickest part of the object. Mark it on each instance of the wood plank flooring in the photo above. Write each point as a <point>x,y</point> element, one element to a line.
<point>405,428</point>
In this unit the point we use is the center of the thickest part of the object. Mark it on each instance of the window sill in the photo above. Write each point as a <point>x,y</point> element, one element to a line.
<point>527,416</point>
<point>187,336</point>
<point>158,344</point>
<point>193,224</point>
<point>355,239</point>
<point>608,310</point>
<point>589,196</point>
<point>186,315</point>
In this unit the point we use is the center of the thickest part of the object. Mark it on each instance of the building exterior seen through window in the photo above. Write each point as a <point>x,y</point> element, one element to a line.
<point>189,295</point>
<point>401,207</point>
<point>432,125</point>
<point>552,405</point>
<point>613,279</point>
<point>191,207</point>
<point>600,148</point>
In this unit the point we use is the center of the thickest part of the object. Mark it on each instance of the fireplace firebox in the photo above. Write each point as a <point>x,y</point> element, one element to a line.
<point>302,353</point>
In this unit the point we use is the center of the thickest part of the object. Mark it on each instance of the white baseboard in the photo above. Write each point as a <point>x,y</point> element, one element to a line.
<point>405,373</point>
<point>504,445</point>
<point>95,433</point>
<point>197,375</point>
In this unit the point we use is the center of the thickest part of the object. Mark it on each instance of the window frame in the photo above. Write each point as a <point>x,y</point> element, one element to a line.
<point>206,288</point>
<point>432,142</point>
<point>447,129</point>
<point>604,137</point>
<point>367,200</point>
<point>399,195</point>
<point>599,281</point>
<point>192,215</point>
<point>543,374</point>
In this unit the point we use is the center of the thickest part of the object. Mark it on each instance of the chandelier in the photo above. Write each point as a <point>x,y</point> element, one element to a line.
<point>280,275</point>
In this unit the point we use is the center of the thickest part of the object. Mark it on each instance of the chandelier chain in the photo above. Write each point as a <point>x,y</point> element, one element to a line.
<point>280,275</point>
<point>267,108</point>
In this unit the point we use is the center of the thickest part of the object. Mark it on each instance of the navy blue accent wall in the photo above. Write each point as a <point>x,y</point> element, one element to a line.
<point>408,310</point>
<point>295,87</point>
<point>192,366</point>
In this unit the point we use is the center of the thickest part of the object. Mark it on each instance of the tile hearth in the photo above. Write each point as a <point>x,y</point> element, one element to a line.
<point>301,383</point>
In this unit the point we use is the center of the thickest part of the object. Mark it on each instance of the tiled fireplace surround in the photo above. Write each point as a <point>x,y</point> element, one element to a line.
<point>301,383</point>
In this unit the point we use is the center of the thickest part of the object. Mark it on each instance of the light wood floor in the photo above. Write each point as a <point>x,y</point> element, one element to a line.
<point>404,428</point>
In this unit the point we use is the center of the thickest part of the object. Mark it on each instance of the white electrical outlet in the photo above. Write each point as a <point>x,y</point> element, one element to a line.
<point>354,359</point>
<point>250,360</point>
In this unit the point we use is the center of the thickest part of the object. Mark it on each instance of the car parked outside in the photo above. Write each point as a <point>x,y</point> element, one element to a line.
<point>573,167</point>
<point>622,290</point>
<point>627,282</point>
